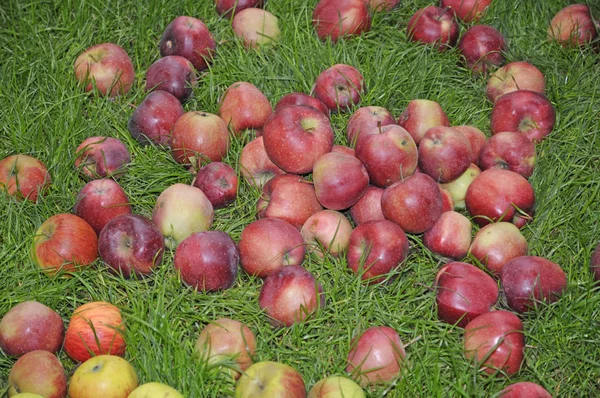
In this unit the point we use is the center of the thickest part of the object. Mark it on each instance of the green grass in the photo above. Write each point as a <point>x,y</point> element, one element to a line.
<point>43,113</point>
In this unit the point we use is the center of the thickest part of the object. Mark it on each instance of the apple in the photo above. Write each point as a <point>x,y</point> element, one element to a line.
<point>296,136</point>
<point>524,111</point>
<point>434,25</point>
<point>107,67</point>
<point>382,5</point>
<point>420,115</point>
<point>450,236</point>
<point>243,106</point>
<point>38,372</point>
<point>496,244</point>
<point>207,261</point>
<point>595,262</point>
<point>27,395</point>
<point>106,376</point>
<point>286,246</point>
<point>188,37</point>
<point>520,75</point>
<point>268,379</point>
<point>376,356</point>
<point>482,48</point>
<point>131,244</point>
<point>256,27</point>
<point>366,119</point>
<point>444,153</point>
<point>573,26</point>
<point>336,387</point>
<point>467,10</point>
<point>228,8</point>
<point>173,74</point>
<point>509,150</point>
<point>297,98</point>
<point>95,328</point>
<point>199,137</point>
<point>340,86</point>
<point>153,119</point>
<point>219,182</point>
<point>528,280</point>
<point>336,19</point>
<point>340,180</point>
<point>64,242</point>
<point>476,138</point>
<point>24,176</point>
<point>181,210</point>
<point>155,390</point>
<point>327,231</point>
<point>447,199</point>
<point>458,187</point>
<point>368,207</point>
<point>494,342</point>
<point>99,201</point>
<point>463,292</point>
<point>255,165</point>
<point>343,149</point>
<point>524,389</point>
<point>100,157</point>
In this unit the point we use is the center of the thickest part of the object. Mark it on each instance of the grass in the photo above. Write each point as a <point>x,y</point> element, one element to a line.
<point>43,113</point>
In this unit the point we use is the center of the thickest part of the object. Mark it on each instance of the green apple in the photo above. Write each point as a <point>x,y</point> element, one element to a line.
<point>270,380</point>
<point>38,372</point>
<point>106,376</point>
<point>336,387</point>
<point>155,390</point>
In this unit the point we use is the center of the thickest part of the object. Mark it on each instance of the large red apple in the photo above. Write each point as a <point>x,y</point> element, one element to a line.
<point>243,106</point>
<point>268,379</point>
<point>366,119</point>
<point>524,389</point>
<point>340,86</point>
<point>450,236</point>
<point>444,153</point>
<point>188,37</point>
<point>173,74</point>
<point>255,165</point>
<point>482,47</point>
<point>573,26</point>
<point>256,27</point>
<point>99,157</point>
<point>153,119</point>
<point>435,25</point>
<point>198,138</point>
<point>368,207</point>
<point>496,244</point>
<point>24,176</point>
<point>99,201</point>
<point>467,10</point>
<point>219,182</point>
<point>420,115</point>
<point>509,150</point>
<point>519,75</point>
<point>327,231</point>
<point>38,372</point>
<point>340,180</point>
<point>336,19</point>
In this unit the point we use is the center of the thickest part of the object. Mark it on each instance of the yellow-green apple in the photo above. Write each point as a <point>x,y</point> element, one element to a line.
<point>100,157</point>
<point>339,87</point>
<point>255,165</point>
<point>447,199</point>
<point>270,380</point>
<point>188,37</point>
<point>366,119</point>
<point>229,8</point>
<point>296,136</point>
<point>243,106</point>
<point>463,292</point>
<point>38,372</point>
<point>444,153</point>
<point>420,115</point>
<point>467,10</point>
<point>289,197</point>
<point>494,342</point>
<point>106,376</point>
<point>376,356</point>
<point>519,75</point>
<point>476,138</point>
<point>524,389</point>
<point>181,210</point>
<point>524,111</point>
<point>153,119</point>
<point>290,295</point>
<point>482,48</point>
<point>529,280</point>
<point>24,176</point>
<point>340,180</point>
<point>509,150</point>
<point>173,74</point>
<point>297,98</point>
<point>458,187</point>
<point>336,387</point>
<point>573,26</point>
<point>256,27</point>
<point>199,137</point>
<point>64,242</point>
<point>131,245</point>
<point>95,328</point>
<point>450,236</point>
<point>327,231</point>
<point>376,248</point>
<point>368,207</point>
<point>219,182</point>
<point>107,67</point>
<point>30,326</point>
<point>595,262</point>
<point>286,246</point>
<point>434,25</point>
<point>337,19</point>
<point>382,5</point>
<point>207,261</point>
<point>414,203</point>
<point>155,390</point>
<point>496,244</point>
<point>99,201</point>
<point>227,339</point>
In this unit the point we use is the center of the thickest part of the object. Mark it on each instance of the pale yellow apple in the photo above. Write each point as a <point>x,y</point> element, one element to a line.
<point>106,376</point>
<point>155,390</point>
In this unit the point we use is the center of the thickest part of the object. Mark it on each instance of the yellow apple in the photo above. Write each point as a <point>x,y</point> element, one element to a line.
<point>106,376</point>
<point>336,387</point>
<point>155,390</point>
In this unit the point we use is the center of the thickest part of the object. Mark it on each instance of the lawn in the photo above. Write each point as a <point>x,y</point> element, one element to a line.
<point>45,114</point>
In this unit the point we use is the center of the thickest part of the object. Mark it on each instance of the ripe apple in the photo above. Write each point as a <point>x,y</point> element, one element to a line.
<point>256,27</point>
<point>595,262</point>
<point>229,8</point>
<point>450,236</point>
<point>382,5</point>
<point>296,98</point>
<point>444,153</point>
<point>366,119</point>
<point>100,157</point>
<point>24,176</point>
<point>476,138</point>
<point>38,372</point>
<point>155,390</point>
<point>107,67</point>
<point>255,165</point>
<point>270,380</point>
<point>199,137</point>
<point>458,187</point>
<point>467,10</point>
<point>336,19</point>
<point>106,376</point>
<point>336,387</point>
<point>482,47</point>
<point>573,26</point>
<point>340,180</point>
<point>95,328</point>
<point>327,231</point>
<point>343,149</point>
<point>434,25</point>
<point>173,74</point>
<point>509,150</point>
<point>243,106</point>
<point>447,199</point>
<point>520,75</point>
<point>99,201</point>
<point>368,207</point>
<point>420,115</point>
<point>340,86</point>
<point>64,242</point>
<point>188,37</point>
<point>153,119</point>
<point>524,389</point>
<point>496,244</point>
<point>219,182</point>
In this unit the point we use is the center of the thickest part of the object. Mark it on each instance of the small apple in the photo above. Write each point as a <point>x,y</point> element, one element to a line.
<point>173,74</point>
<point>434,25</point>
<point>368,207</point>
<point>482,48</point>
<point>255,165</point>
<point>524,389</point>
<point>327,231</point>
<point>219,182</point>
<point>573,26</point>
<point>243,106</point>
<point>366,119</point>
<point>496,244</point>
<point>198,138</point>
<point>256,27</point>
<point>450,236</point>
<point>38,372</point>
<point>336,19</point>
<point>340,86</point>
<point>24,176</point>
<point>509,150</point>
<point>270,380</point>
<point>336,387</point>
<point>340,180</point>
<point>153,119</point>
<point>515,76</point>
<point>155,390</point>
<point>420,115</point>
<point>106,376</point>
<point>188,37</point>
<point>467,10</point>
<point>100,157</point>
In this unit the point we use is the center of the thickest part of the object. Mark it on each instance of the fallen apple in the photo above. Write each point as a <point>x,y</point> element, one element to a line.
<point>270,380</point>
<point>100,157</point>
<point>108,376</point>
<point>38,372</point>
<point>496,244</point>
<point>173,74</point>
<point>190,38</point>
<point>24,176</point>
<point>256,27</point>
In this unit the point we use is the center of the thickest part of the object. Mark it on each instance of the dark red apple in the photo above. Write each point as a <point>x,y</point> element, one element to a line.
<point>243,106</point>
<point>302,99</point>
<point>366,119</point>
<point>340,86</point>
<point>524,389</point>
<point>99,157</point>
<point>450,236</point>
<point>515,76</point>
<point>476,138</point>
<point>444,153</point>
<point>24,176</point>
<point>173,74</point>
<point>573,26</point>
<point>255,165</point>
<point>336,19</point>
<point>509,150</point>
<point>496,244</point>
<point>256,27</point>
<point>434,25</point>
<point>219,182</point>
<point>368,207</point>
<point>152,120</point>
<point>482,47</point>
<point>595,263</point>
<point>228,8</point>
<point>420,115</point>
<point>198,138</point>
<point>467,10</point>
<point>188,37</point>
<point>340,180</point>
<point>99,201</point>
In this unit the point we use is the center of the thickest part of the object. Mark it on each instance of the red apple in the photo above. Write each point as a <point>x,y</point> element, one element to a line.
<point>302,99</point>
<point>243,106</point>
<point>340,180</point>
<point>450,236</point>
<point>524,389</point>
<point>509,150</point>
<point>382,5</point>
<point>340,86</point>
<point>153,119</point>
<point>336,19</point>
<point>420,115</point>
<point>189,38</point>
<point>107,67</point>
<point>24,176</point>
<point>467,10</point>
<point>173,74</point>
<point>496,244</point>
<point>595,262</point>
<point>99,157</point>
<point>343,149</point>
<point>573,26</point>
<point>447,199</point>
<point>38,372</point>
<point>366,119</point>
<point>255,165</point>
<point>219,182</point>
<point>270,380</point>
<point>199,137</point>
<point>515,76</point>
<point>368,207</point>
<point>228,8</point>
<point>435,25</point>
<point>444,153</point>
<point>256,27</point>
<point>327,231</point>
<point>458,188</point>
<point>483,48</point>
<point>336,387</point>
<point>476,138</point>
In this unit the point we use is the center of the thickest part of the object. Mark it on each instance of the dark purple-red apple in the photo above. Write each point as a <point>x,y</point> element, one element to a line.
<point>482,47</point>
<point>131,244</point>
<point>24,176</point>
<point>255,165</point>
<point>327,231</point>
<point>458,188</point>
<point>467,10</point>
<point>153,119</point>
<point>520,75</point>
<point>339,87</point>
<point>337,19</point>
<point>573,26</point>
<point>595,263</point>
<point>435,25</point>
<point>38,372</point>
<point>366,119</point>
<point>420,115</point>
<point>297,98</point>
<point>188,37</point>
<point>524,389</point>
<point>99,201</point>
<point>99,157</point>
<point>173,74</point>
<point>243,106</point>
<point>107,67</point>
<point>340,180</point>
<point>368,207</point>
<point>198,138</point>
<point>509,150</point>
<point>256,27</point>
<point>496,244</point>
<point>444,154</point>
<point>219,182</point>
<point>476,138</point>
<point>450,236</point>
<point>229,8</point>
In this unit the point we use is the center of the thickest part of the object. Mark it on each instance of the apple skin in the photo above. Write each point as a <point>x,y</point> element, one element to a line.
<point>229,8</point>
<point>24,176</point>
<point>286,246</point>
<point>476,138</point>
<point>99,201</point>
<point>496,244</point>
<point>38,372</point>
<point>340,86</point>
<point>173,74</point>
<point>64,242</point>
<point>188,37</point>
<point>450,236</point>
<point>199,137</point>
<point>458,187</point>
<point>573,26</point>
<point>463,292</point>
<point>444,153</point>
<point>243,106</point>
<point>131,244</point>
<point>527,280</point>
<point>336,387</point>
<point>207,261</point>
<point>376,356</point>
<point>219,182</point>
<point>30,326</point>
<point>100,157</point>
<point>155,390</point>
<point>447,199</point>
<point>434,25</point>
<point>256,27</point>
<point>106,66</point>
<point>494,341</point>
<point>340,180</point>
<point>366,119</point>
<point>482,47</point>
<point>509,150</point>
<point>327,231</point>
<point>336,19</point>
<point>368,207</point>
<point>255,165</point>
<point>595,263</point>
<point>420,115</point>
<point>290,295</point>
<point>106,376</point>
<point>467,10</point>
<point>297,98</point>
<point>524,111</point>
<point>153,119</point>
<point>95,328</point>
<point>270,380</point>
<point>524,389</point>
<point>520,75</point>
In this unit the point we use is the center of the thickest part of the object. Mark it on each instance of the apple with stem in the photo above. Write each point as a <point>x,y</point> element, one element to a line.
<point>366,119</point>
<point>434,25</point>
<point>24,176</point>
<point>188,37</point>
<point>339,87</point>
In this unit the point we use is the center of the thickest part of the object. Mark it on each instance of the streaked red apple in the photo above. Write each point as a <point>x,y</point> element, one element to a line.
<point>519,75</point>
<point>467,10</point>
<point>340,180</point>
<point>340,86</point>
<point>24,176</point>
<point>153,119</point>
<point>444,153</point>
<point>524,389</point>
<point>482,48</point>
<point>496,244</point>
<point>100,157</point>
<point>509,150</point>
<point>368,207</point>
<point>434,25</point>
<point>297,98</point>
<point>173,74</point>
<point>243,106</point>
<point>573,26</point>
<point>198,138</point>
<point>219,182</point>
<point>336,19</point>
<point>255,165</point>
<point>366,119</point>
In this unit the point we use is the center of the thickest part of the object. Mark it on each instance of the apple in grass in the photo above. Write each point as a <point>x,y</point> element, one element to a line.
<point>476,138</point>
<point>434,25</point>
<point>365,119</point>
<point>595,262</point>
<point>339,87</point>
<point>297,98</point>
<point>38,372</point>
<point>524,389</point>
<point>255,165</point>
<point>458,187</point>
<point>482,48</point>
<point>327,231</point>
<point>336,387</point>
<point>219,182</point>
<point>368,207</point>
<point>188,37</point>
<point>99,201</point>
<point>340,180</point>
<point>24,176</point>
<point>444,153</point>
<point>573,26</point>
<point>467,10</point>
<point>243,106</point>
<point>153,119</point>
<point>107,67</point>
<point>450,236</point>
<point>420,115</point>
<point>496,244</point>
<point>106,376</point>
<point>268,379</point>
<point>155,390</point>
<point>520,75</point>
<point>173,74</point>
<point>229,8</point>
<point>509,150</point>
<point>256,27</point>
<point>337,19</point>
<point>100,157</point>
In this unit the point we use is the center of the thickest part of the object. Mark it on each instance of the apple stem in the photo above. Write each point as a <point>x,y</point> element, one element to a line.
<point>379,127</point>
